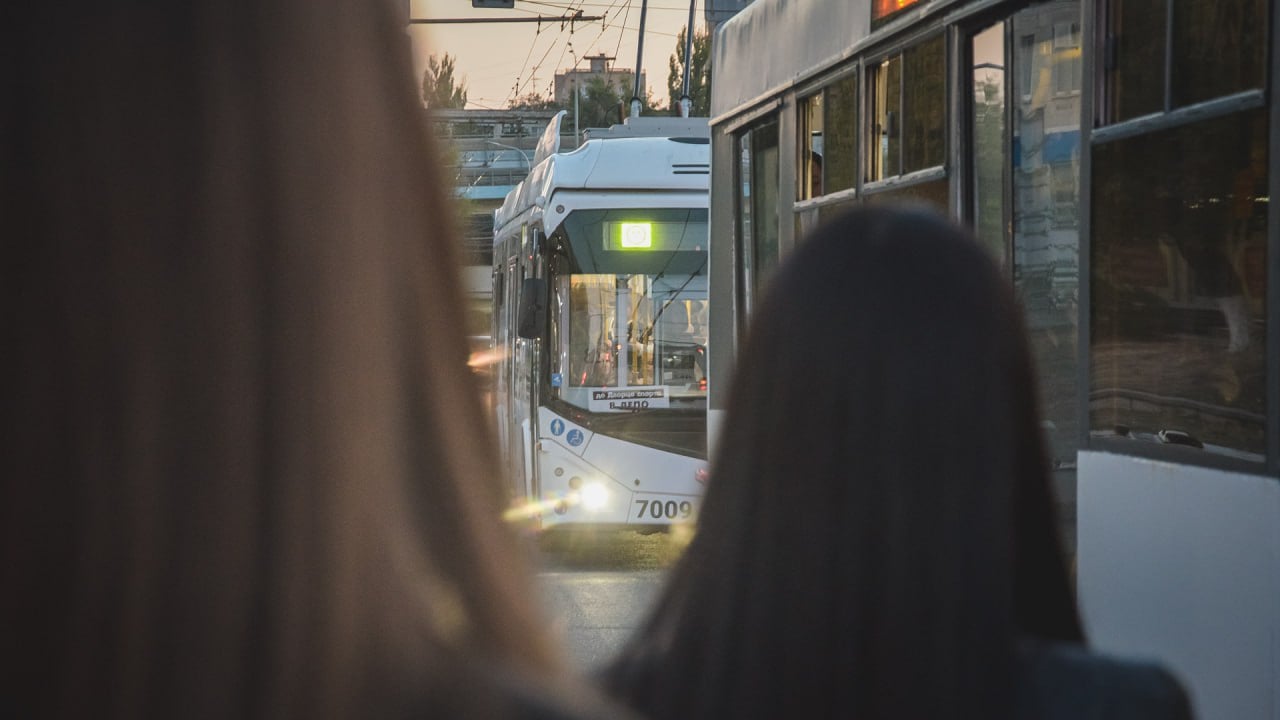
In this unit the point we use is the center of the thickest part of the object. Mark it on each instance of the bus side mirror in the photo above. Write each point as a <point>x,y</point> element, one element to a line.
<point>532,322</point>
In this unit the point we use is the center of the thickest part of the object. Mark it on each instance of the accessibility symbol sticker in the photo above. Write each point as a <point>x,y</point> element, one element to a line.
<point>557,426</point>
<point>574,437</point>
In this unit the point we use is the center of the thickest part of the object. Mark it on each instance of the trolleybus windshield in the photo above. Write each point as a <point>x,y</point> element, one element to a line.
<point>629,312</point>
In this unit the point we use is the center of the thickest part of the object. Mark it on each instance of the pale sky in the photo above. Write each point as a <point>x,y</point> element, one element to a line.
<point>493,57</point>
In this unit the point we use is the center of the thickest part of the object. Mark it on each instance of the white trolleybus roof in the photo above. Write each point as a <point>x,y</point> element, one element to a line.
<point>642,155</point>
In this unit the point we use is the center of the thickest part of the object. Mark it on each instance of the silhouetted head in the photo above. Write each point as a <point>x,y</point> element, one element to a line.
<point>877,528</point>
<point>249,474</point>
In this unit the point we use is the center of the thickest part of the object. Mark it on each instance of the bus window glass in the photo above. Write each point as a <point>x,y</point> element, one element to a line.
<point>1046,233</point>
<point>1066,57</point>
<point>841,125</point>
<point>924,103</point>
<point>884,83</point>
<point>631,309</point>
<point>1220,48</point>
<point>1026,70</point>
<point>907,131</point>
<point>743,221</point>
<point>1178,296</point>
<point>763,242</point>
<point>988,120</point>
<point>809,182</point>
<point>1137,46</point>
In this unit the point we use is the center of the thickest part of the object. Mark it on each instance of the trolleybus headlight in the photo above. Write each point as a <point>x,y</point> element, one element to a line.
<point>594,496</point>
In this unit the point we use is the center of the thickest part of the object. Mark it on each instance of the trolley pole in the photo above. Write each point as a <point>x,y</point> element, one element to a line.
<point>686,102</point>
<point>635,95</point>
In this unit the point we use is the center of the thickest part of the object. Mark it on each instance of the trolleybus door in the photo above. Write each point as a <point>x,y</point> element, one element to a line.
<point>1023,159</point>
<point>530,340</point>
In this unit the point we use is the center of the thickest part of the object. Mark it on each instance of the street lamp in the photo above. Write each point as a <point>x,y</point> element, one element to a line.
<point>527,165</point>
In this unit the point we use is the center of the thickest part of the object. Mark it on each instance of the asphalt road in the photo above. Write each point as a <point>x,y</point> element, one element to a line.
<point>598,586</point>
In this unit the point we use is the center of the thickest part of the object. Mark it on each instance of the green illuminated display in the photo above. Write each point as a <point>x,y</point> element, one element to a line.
<point>647,236</point>
<point>636,236</point>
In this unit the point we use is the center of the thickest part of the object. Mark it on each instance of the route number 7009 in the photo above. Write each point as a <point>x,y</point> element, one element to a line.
<point>662,509</point>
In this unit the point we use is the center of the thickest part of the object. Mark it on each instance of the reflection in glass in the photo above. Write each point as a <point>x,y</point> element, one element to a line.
<point>841,127</point>
<point>885,88</point>
<point>1179,286</point>
<point>809,182</point>
<point>1067,58</point>
<point>742,203</point>
<point>1137,36</point>
<point>765,206</point>
<point>924,105</point>
<point>988,141</point>
<point>1220,48</point>
<point>757,210</point>
<point>1046,191</point>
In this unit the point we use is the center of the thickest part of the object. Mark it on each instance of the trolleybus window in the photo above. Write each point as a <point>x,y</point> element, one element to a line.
<point>1219,48</point>
<point>1179,286</point>
<point>757,201</point>
<point>1045,193</point>
<point>630,309</point>
<point>809,184</point>
<point>830,121</point>
<point>883,151</point>
<point>1216,48</point>
<point>924,99</point>
<point>840,158</point>
<point>1025,169</point>
<point>908,112</point>
<point>987,121</point>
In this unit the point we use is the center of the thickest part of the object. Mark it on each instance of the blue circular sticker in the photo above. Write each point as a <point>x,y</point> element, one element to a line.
<point>557,426</point>
<point>574,437</point>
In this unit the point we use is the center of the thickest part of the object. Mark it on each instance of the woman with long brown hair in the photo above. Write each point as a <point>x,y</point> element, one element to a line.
<point>247,472</point>
<point>877,538</point>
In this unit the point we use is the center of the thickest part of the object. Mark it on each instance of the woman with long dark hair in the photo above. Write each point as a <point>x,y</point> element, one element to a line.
<point>877,539</point>
<point>247,474</point>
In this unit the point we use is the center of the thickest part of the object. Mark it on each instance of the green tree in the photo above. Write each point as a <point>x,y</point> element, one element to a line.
<point>699,75</point>
<point>602,105</point>
<point>599,105</point>
<point>439,89</point>
<point>534,101</point>
<point>988,162</point>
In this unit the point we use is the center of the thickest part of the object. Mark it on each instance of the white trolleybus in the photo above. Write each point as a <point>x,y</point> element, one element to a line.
<point>600,321</point>
<point>1120,159</point>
